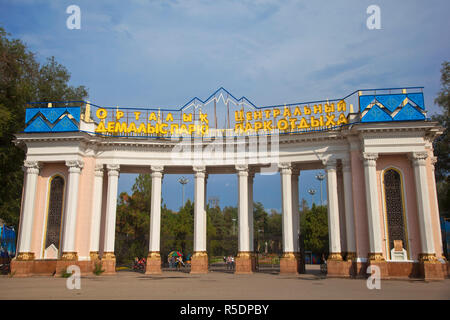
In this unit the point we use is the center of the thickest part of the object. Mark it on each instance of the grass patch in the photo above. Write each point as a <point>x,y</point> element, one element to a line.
<point>65,274</point>
<point>98,269</point>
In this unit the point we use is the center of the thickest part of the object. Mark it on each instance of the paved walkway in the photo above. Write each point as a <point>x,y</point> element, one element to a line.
<point>218,285</point>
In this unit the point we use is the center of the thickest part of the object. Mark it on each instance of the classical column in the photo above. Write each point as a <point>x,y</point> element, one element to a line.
<point>373,208</point>
<point>349,217</point>
<point>199,262</point>
<point>70,214</point>
<point>24,248</point>
<point>110,221</point>
<point>289,260</point>
<point>96,212</point>
<point>333,211</point>
<point>423,206</point>
<point>154,256</point>
<point>243,260</point>
<point>436,203</point>
<point>295,209</point>
<point>251,176</point>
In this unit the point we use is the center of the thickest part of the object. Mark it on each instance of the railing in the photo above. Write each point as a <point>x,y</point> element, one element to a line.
<point>374,105</point>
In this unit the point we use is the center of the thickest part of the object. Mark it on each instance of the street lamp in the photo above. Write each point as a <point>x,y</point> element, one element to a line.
<point>312,192</point>
<point>183,181</point>
<point>320,176</point>
<point>234,226</point>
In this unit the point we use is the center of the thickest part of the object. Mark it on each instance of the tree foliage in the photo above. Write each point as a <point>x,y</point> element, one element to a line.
<point>23,79</point>
<point>314,227</point>
<point>442,144</point>
<point>177,228</point>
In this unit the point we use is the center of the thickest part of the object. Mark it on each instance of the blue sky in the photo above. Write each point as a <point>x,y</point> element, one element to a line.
<point>162,53</point>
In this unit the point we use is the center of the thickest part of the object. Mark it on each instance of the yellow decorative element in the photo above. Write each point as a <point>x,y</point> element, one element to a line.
<point>427,257</point>
<point>108,256</point>
<point>94,255</point>
<point>25,256</point>
<point>154,255</point>
<point>376,256</point>
<point>200,254</point>
<point>351,256</point>
<point>69,256</point>
<point>335,256</point>
<point>87,112</point>
<point>403,91</point>
<point>244,254</point>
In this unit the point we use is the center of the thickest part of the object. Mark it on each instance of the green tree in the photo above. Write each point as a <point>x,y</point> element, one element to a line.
<point>442,144</point>
<point>314,227</point>
<point>23,79</point>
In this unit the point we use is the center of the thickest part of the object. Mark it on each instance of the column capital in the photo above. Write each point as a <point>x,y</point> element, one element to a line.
<point>98,170</point>
<point>285,167</point>
<point>370,158</point>
<point>31,167</point>
<point>157,171</point>
<point>199,171</point>
<point>157,168</point>
<point>75,166</point>
<point>113,169</point>
<point>433,159</point>
<point>330,164</point>
<point>419,158</point>
<point>242,170</point>
<point>241,167</point>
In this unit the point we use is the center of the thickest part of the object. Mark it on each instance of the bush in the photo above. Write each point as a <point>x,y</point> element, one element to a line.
<point>98,269</point>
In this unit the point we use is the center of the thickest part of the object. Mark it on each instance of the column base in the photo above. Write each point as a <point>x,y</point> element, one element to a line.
<point>289,263</point>
<point>109,263</point>
<point>21,268</point>
<point>94,255</point>
<point>86,267</point>
<point>340,269</point>
<point>244,263</point>
<point>433,270</point>
<point>153,263</point>
<point>199,263</point>
<point>377,259</point>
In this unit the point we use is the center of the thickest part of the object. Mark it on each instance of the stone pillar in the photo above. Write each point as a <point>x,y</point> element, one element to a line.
<point>373,213</point>
<point>296,218</point>
<point>289,261</point>
<point>96,212</point>
<point>69,255</point>
<point>349,216</point>
<point>423,206</point>
<point>373,208</point>
<point>244,257</point>
<point>199,262</point>
<point>24,245</point>
<point>436,205</point>
<point>430,266</point>
<point>154,257</point>
<point>70,215</point>
<point>333,211</point>
<point>108,258</point>
<point>251,176</point>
